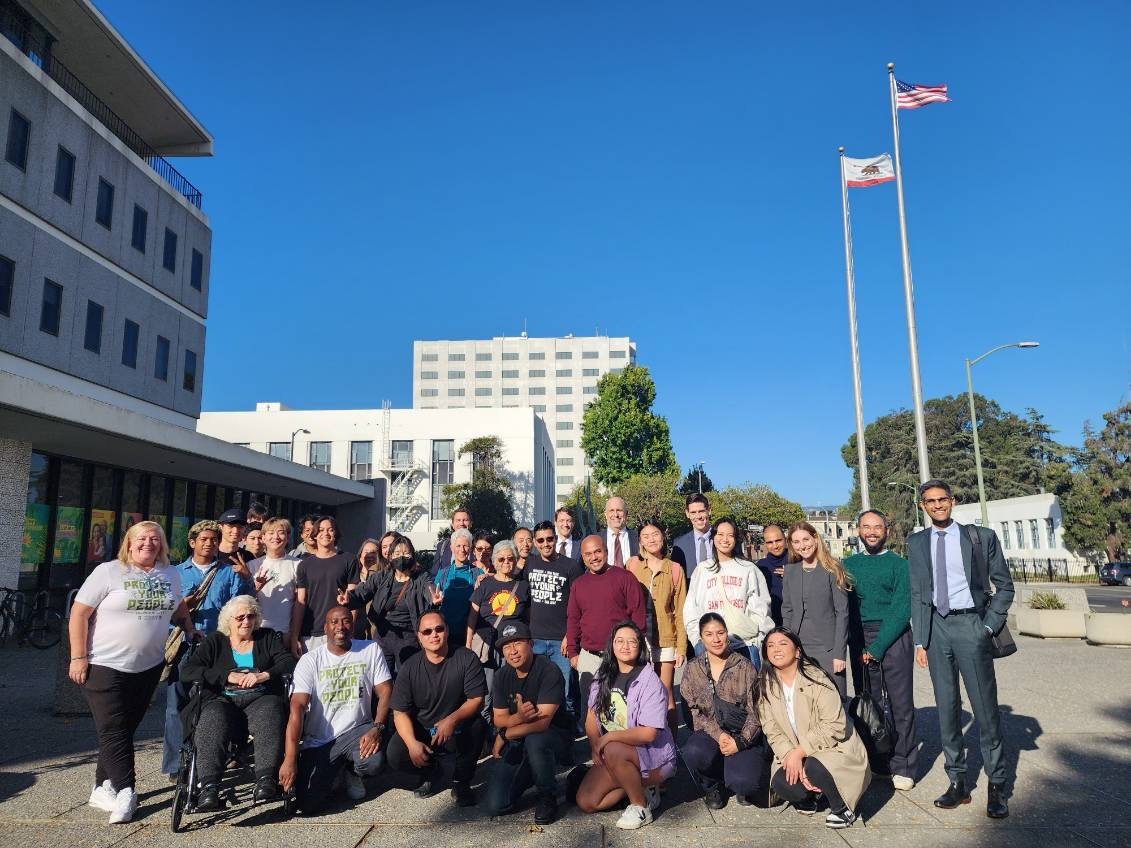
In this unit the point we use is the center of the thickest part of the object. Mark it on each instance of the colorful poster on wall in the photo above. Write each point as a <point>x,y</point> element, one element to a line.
<point>100,545</point>
<point>178,544</point>
<point>34,549</point>
<point>129,519</point>
<point>68,534</point>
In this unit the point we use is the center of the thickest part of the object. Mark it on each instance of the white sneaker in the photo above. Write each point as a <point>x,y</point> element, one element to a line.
<point>634,816</point>
<point>902,782</point>
<point>102,797</point>
<point>125,805</point>
<point>355,786</point>
<point>652,798</point>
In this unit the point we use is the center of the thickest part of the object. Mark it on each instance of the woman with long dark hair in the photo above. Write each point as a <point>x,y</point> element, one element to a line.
<point>725,749</point>
<point>816,750</point>
<point>632,748</point>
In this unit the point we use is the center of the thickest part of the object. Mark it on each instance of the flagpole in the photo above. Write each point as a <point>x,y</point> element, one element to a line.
<point>909,293</point>
<point>850,275</point>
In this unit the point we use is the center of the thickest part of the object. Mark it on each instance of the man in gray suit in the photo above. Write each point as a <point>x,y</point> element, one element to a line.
<point>623,544</point>
<point>953,616</point>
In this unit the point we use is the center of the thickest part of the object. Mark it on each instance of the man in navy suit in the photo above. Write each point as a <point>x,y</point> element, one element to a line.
<point>623,544</point>
<point>695,546</point>
<point>460,519</point>
<point>565,545</point>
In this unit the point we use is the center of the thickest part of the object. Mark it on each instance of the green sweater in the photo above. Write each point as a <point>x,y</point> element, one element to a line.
<point>883,589</point>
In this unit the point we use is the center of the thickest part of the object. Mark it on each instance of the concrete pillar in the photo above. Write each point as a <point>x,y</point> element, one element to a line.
<point>15,464</point>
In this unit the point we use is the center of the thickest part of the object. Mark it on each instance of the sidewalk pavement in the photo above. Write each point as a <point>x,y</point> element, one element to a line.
<point>1067,723</point>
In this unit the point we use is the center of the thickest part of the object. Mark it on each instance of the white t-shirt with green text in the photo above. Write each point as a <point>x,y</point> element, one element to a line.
<point>340,689</point>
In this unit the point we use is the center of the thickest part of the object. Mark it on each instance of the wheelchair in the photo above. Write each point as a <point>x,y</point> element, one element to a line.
<point>239,771</point>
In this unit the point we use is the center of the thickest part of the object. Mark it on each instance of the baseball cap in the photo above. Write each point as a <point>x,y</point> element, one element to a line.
<point>512,631</point>
<point>233,516</point>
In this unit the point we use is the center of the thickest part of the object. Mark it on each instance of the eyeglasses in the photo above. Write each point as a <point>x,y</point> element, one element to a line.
<point>935,501</point>
<point>482,550</point>
<point>246,616</point>
<point>438,629</point>
<point>626,643</point>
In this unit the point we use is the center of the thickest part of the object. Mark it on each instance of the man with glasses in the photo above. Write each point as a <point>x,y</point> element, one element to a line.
<point>880,644</point>
<point>772,566</point>
<point>953,617</point>
<point>436,703</point>
<point>332,713</point>
<point>550,577</point>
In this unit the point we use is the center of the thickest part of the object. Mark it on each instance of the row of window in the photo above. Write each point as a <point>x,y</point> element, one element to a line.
<point>486,391</point>
<point>51,314</point>
<point>512,357</point>
<point>16,153</point>
<point>513,374</point>
<point>1034,534</point>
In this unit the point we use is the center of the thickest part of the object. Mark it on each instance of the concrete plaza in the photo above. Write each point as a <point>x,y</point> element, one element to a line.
<point>1067,721</point>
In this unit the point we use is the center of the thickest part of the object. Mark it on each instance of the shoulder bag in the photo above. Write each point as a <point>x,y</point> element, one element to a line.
<point>731,717</point>
<point>480,646</point>
<point>175,645</point>
<point>1001,643</point>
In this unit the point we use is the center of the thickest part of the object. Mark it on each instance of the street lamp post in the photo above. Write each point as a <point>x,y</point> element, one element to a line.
<point>970,363</point>
<point>295,433</point>
<point>700,476</point>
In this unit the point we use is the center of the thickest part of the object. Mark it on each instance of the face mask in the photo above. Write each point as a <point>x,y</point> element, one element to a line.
<point>402,563</point>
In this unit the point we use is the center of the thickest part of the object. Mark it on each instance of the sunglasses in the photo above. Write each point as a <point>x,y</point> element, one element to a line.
<point>438,629</point>
<point>251,615</point>
<point>543,540</point>
<point>481,550</point>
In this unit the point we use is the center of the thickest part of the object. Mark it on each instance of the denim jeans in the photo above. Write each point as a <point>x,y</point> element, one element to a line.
<point>529,761</point>
<point>552,650</point>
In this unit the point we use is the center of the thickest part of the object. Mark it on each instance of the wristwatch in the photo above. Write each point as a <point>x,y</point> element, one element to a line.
<point>379,726</point>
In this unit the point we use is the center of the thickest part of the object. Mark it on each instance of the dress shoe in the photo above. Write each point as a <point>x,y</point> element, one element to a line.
<point>208,801</point>
<point>996,806</point>
<point>266,789</point>
<point>715,799</point>
<point>546,809</point>
<point>955,794</point>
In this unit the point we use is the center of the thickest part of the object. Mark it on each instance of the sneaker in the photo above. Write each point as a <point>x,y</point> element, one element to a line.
<point>902,782</point>
<point>546,810</point>
<point>102,797</point>
<point>652,798</point>
<point>426,789</point>
<point>838,821</point>
<point>807,807</point>
<point>633,817</point>
<point>125,805</point>
<point>355,786</point>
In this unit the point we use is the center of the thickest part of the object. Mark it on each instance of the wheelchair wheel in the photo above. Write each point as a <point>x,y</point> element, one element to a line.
<point>180,801</point>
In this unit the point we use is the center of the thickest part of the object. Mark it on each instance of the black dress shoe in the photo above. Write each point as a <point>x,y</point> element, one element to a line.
<point>715,799</point>
<point>955,794</point>
<point>208,801</point>
<point>744,800</point>
<point>266,789</point>
<point>996,806</point>
<point>546,810</point>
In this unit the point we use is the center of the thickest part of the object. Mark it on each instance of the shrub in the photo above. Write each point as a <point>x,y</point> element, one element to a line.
<point>1046,601</point>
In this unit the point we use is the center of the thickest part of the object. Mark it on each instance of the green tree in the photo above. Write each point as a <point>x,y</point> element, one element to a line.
<point>645,496</point>
<point>489,494</point>
<point>692,480</point>
<point>755,504</point>
<point>620,433</point>
<point>1097,503</point>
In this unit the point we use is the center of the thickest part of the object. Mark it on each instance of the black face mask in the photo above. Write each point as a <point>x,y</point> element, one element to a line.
<point>403,563</point>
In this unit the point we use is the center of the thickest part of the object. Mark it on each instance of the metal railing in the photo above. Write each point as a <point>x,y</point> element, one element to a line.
<point>1051,570</point>
<point>14,30</point>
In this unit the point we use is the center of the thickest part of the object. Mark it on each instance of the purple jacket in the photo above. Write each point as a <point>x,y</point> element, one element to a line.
<point>648,707</point>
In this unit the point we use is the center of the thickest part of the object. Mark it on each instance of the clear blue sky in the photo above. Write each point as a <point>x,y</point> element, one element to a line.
<point>665,170</point>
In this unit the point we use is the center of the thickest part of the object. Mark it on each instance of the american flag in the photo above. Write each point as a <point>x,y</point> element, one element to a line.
<point>910,96</point>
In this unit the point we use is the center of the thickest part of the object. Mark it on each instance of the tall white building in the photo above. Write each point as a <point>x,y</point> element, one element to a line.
<point>556,377</point>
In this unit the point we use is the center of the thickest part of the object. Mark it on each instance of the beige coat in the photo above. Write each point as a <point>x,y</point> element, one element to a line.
<point>824,732</point>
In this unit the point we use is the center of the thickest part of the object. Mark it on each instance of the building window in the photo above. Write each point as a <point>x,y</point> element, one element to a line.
<point>141,223</point>
<point>1020,530</point>
<point>1005,535</point>
<point>565,443</point>
<point>539,407</point>
<point>590,372</point>
<point>482,375</point>
<point>196,272</point>
<point>456,357</point>
<point>429,357</point>
<point>535,356</point>
<point>564,425</point>
<point>565,390</point>
<point>590,354</point>
<point>320,456</point>
<point>564,407</point>
<point>92,340</point>
<point>456,393</point>
<point>104,207</point>
<point>429,392</point>
<point>564,354</point>
<point>129,344</point>
<point>537,390</point>
<point>510,391</point>
<point>510,375</point>
<point>589,390</point>
<point>7,282</point>
<point>1035,532</point>
<point>188,383</point>
<point>616,354</point>
<point>429,375</point>
<point>64,174</point>
<point>169,257</point>
<point>483,391</point>
<point>282,450</point>
<point>510,357</point>
<point>52,309</point>
<point>564,479</point>
<point>161,360</point>
<point>443,470</point>
<point>19,134</point>
<point>482,357</point>
<point>536,372</point>
<point>456,375</point>
<point>564,372</point>
<point>401,450</point>
<point>1050,532</point>
<point>616,370</point>
<point>565,460</point>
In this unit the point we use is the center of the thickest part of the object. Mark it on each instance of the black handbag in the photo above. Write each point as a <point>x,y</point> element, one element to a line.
<point>731,717</point>
<point>872,717</point>
<point>1001,643</point>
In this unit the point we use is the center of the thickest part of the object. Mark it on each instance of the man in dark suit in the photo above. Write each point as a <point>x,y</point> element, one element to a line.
<point>623,544</point>
<point>565,545</point>
<point>696,545</point>
<point>460,519</point>
<point>953,616</point>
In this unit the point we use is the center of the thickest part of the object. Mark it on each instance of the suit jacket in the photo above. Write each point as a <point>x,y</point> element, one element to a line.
<point>633,544</point>
<point>443,557</point>
<point>822,611</point>
<point>992,603</point>
<point>572,551</point>
<point>684,553</point>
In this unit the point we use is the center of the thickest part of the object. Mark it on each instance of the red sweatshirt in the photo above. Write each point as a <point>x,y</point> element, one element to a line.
<point>597,601</point>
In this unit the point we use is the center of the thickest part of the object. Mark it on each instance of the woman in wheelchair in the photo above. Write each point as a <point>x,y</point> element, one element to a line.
<point>240,669</point>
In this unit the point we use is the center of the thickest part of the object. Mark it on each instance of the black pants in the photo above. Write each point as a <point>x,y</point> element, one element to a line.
<point>398,645</point>
<point>797,793</point>
<point>898,665</point>
<point>741,773</point>
<point>456,758</point>
<point>319,766</point>
<point>223,723</point>
<point>118,701</point>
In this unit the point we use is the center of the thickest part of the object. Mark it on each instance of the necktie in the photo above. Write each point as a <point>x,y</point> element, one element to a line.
<point>618,554</point>
<point>562,547</point>
<point>703,548</point>
<point>942,592</point>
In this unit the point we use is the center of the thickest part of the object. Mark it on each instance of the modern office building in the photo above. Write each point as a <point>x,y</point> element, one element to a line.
<point>556,377</point>
<point>415,451</point>
<point>104,280</point>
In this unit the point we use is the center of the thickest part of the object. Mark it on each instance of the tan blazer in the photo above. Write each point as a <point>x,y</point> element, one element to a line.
<point>824,732</point>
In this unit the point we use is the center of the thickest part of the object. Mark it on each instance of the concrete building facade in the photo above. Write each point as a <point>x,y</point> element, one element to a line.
<point>556,377</point>
<point>414,452</point>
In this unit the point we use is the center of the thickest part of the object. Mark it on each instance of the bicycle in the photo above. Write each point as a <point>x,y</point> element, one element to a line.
<point>38,626</point>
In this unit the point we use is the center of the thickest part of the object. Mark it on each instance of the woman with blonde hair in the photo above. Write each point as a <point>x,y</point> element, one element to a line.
<point>815,600</point>
<point>117,655</point>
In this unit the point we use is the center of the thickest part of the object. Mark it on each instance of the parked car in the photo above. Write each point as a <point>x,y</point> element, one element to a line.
<point>1114,573</point>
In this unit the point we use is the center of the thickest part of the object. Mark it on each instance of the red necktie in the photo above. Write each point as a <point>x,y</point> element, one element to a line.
<point>618,554</point>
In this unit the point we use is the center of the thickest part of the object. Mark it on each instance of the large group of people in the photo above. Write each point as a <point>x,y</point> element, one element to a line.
<point>342,666</point>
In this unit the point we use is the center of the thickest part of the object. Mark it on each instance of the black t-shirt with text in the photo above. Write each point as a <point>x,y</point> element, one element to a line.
<point>430,691</point>
<point>511,598</point>
<point>322,578</point>
<point>549,594</point>
<point>543,684</point>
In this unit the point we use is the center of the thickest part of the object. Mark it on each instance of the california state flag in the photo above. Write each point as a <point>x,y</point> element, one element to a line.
<point>859,173</point>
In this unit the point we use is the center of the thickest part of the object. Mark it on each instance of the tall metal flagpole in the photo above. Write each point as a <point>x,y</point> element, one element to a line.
<point>909,294</point>
<point>850,275</point>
